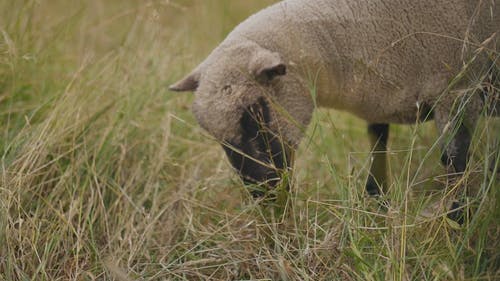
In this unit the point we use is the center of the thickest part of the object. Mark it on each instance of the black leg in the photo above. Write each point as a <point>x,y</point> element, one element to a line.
<point>455,156</point>
<point>455,153</point>
<point>376,183</point>
<point>456,139</point>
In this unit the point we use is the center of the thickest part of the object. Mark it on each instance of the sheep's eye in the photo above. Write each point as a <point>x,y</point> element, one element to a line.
<point>227,89</point>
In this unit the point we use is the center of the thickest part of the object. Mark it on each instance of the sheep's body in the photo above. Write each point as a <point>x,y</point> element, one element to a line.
<point>376,59</point>
<point>387,61</point>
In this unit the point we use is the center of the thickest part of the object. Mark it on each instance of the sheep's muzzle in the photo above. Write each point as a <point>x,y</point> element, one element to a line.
<point>260,156</point>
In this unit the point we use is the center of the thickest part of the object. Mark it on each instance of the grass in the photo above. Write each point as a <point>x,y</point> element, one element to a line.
<point>105,175</point>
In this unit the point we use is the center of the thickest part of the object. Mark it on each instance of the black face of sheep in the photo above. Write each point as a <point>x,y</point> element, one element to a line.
<point>260,156</point>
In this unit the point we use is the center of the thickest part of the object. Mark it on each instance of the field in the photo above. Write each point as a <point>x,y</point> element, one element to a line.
<point>105,174</point>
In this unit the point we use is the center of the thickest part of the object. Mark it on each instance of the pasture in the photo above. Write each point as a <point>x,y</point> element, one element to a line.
<point>105,174</point>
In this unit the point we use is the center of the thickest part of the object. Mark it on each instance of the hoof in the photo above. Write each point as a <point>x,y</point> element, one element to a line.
<point>373,190</point>
<point>383,204</point>
<point>372,187</point>
<point>457,213</point>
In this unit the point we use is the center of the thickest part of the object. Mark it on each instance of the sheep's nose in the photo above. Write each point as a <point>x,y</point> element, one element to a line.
<point>268,181</point>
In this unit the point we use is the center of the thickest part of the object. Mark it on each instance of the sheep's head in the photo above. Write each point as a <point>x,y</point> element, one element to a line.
<point>245,98</point>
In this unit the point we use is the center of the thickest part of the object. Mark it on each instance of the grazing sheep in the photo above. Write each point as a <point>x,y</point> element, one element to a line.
<point>386,61</point>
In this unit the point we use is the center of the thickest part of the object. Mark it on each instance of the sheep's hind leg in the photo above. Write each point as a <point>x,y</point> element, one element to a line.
<point>454,157</point>
<point>377,179</point>
<point>456,138</point>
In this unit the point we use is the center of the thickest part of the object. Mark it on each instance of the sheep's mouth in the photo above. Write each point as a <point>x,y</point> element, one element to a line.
<point>260,156</point>
<point>259,170</point>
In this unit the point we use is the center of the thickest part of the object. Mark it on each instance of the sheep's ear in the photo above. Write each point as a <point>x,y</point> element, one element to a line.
<point>266,66</point>
<point>187,84</point>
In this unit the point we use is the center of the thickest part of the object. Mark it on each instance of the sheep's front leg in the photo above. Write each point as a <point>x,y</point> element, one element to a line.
<point>377,181</point>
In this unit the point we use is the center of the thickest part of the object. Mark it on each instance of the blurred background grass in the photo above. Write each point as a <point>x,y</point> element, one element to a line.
<point>105,175</point>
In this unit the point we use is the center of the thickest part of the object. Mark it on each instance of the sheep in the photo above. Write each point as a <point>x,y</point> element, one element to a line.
<point>385,61</point>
